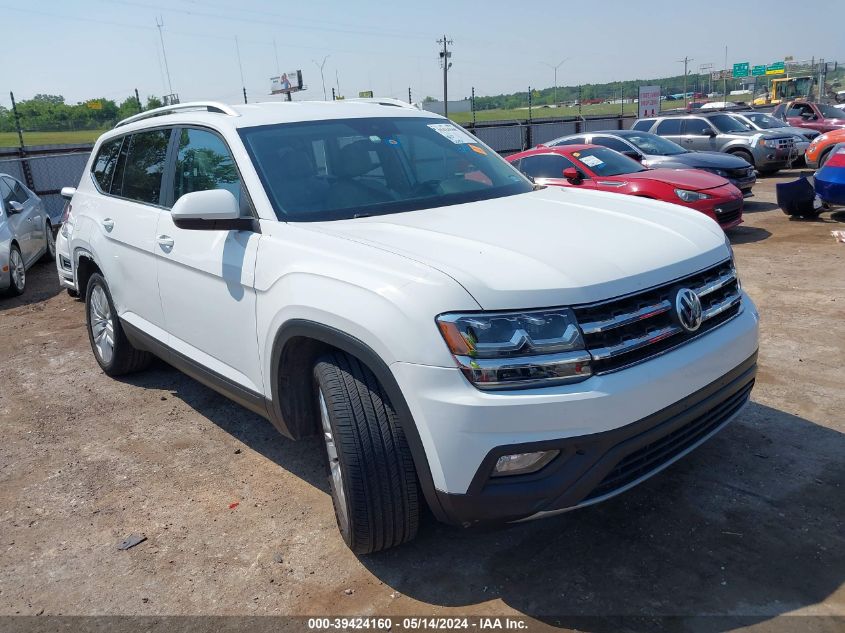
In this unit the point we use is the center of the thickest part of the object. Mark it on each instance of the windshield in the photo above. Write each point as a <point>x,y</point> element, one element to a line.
<point>764,121</point>
<point>725,123</point>
<point>606,162</point>
<point>346,168</point>
<point>653,144</point>
<point>829,112</point>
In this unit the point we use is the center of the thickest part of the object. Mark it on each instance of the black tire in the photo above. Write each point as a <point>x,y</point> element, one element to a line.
<point>823,158</point>
<point>72,293</point>
<point>378,506</point>
<point>50,253</point>
<point>17,284</point>
<point>124,358</point>
<point>746,156</point>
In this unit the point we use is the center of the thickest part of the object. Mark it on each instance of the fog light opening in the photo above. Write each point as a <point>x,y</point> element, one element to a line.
<point>523,463</point>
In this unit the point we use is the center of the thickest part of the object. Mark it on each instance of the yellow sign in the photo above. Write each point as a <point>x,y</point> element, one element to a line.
<point>94,105</point>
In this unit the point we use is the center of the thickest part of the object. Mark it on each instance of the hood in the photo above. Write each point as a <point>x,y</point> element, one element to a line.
<point>556,246</point>
<point>691,179</point>
<point>707,160</point>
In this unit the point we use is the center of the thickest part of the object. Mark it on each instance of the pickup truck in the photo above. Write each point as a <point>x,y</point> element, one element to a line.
<point>810,115</point>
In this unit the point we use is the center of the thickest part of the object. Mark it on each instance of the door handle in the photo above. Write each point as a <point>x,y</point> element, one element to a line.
<point>108,224</point>
<point>165,241</point>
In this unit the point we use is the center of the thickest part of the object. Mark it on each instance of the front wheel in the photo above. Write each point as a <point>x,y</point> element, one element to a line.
<point>746,156</point>
<point>113,351</point>
<point>371,471</point>
<point>17,272</point>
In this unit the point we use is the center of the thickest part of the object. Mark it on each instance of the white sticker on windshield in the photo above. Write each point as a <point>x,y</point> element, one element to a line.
<point>592,161</point>
<point>453,133</point>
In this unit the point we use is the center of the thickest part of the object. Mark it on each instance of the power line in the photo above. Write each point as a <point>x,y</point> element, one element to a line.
<point>159,24</point>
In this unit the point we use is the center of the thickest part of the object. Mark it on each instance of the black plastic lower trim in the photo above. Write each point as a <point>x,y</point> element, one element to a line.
<point>253,401</point>
<point>587,463</point>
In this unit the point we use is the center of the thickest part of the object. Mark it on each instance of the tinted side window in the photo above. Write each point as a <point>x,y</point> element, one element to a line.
<point>204,162</point>
<point>612,143</point>
<point>697,127</point>
<point>669,127</point>
<point>575,140</point>
<point>103,167</point>
<point>141,165</point>
<point>545,165</point>
<point>643,125</point>
<point>5,194</point>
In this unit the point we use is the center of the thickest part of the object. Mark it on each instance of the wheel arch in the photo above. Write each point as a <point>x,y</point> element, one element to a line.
<point>291,408</point>
<point>86,266</point>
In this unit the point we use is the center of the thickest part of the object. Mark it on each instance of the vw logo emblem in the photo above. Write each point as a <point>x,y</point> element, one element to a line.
<point>688,309</point>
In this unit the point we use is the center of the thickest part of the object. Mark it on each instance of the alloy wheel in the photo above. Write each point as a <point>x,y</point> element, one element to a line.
<point>338,490</point>
<point>102,325</point>
<point>18,270</point>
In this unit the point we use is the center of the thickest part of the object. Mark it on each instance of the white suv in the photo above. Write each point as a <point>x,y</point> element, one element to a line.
<point>368,271</point>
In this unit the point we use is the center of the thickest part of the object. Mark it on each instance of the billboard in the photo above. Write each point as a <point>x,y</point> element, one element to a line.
<point>365,94</point>
<point>649,101</point>
<point>286,83</point>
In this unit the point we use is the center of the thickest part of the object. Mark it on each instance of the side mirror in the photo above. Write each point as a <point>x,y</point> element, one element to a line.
<point>15,207</point>
<point>710,132</point>
<point>67,192</point>
<point>571,174</point>
<point>210,210</point>
<point>632,153</point>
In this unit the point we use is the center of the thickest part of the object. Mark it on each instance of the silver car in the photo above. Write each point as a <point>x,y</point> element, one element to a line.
<point>759,121</point>
<point>26,234</point>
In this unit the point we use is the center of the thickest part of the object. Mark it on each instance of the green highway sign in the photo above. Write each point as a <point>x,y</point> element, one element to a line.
<point>778,68</point>
<point>741,69</point>
<point>756,71</point>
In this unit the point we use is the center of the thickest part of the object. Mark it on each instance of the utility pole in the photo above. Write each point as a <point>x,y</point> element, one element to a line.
<point>472,103</point>
<point>686,61</point>
<point>555,67</point>
<point>159,24</point>
<point>321,65</point>
<point>445,56</point>
<point>409,95</point>
<point>725,78</point>
<point>138,99</point>
<point>240,67</point>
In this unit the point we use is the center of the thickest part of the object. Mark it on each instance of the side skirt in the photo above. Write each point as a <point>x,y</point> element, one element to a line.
<point>247,398</point>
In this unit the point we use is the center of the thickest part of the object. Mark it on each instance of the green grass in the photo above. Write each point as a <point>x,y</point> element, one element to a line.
<point>599,109</point>
<point>10,139</point>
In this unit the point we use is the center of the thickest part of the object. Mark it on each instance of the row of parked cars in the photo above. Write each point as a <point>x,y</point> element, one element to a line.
<point>706,161</point>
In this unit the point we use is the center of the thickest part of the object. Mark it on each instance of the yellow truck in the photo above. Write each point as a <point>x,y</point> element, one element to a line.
<point>786,89</point>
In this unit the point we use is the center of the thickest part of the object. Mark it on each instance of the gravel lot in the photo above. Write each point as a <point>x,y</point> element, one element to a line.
<point>751,524</point>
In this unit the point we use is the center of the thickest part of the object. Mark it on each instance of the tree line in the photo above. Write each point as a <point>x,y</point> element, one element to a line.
<point>46,112</point>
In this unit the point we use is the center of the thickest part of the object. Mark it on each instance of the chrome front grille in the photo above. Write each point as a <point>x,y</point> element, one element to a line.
<point>785,143</point>
<point>634,328</point>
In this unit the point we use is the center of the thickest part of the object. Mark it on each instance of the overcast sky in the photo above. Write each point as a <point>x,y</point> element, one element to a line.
<point>107,48</point>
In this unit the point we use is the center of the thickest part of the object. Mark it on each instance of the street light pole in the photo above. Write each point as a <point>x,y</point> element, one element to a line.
<point>555,67</point>
<point>686,61</point>
<point>322,78</point>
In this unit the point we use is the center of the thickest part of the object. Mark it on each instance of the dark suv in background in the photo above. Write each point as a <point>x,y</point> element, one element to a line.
<point>767,151</point>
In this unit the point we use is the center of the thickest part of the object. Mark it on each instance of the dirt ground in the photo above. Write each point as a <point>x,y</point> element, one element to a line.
<point>750,525</point>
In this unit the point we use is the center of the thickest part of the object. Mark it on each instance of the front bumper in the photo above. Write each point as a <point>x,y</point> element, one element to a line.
<point>464,430</point>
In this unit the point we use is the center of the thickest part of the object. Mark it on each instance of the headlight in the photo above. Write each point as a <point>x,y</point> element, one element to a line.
<point>690,196</point>
<point>733,261</point>
<point>517,349</point>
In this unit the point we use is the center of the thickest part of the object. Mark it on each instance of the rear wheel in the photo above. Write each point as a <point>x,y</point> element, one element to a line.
<point>371,471</point>
<point>17,272</point>
<point>114,353</point>
<point>50,253</point>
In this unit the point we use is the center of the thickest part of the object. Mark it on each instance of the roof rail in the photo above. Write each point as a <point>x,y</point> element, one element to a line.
<point>386,101</point>
<point>209,106</point>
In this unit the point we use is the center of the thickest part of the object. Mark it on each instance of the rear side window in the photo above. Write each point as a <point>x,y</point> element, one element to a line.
<point>104,165</point>
<point>140,167</point>
<point>545,165</point>
<point>574,140</point>
<point>612,143</point>
<point>203,162</point>
<point>643,125</point>
<point>669,127</point>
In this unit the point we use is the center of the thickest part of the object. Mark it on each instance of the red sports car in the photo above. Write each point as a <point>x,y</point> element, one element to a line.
<point>603,169</point>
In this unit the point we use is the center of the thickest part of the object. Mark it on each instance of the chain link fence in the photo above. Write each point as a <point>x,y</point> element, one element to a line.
<point>45,170</point>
